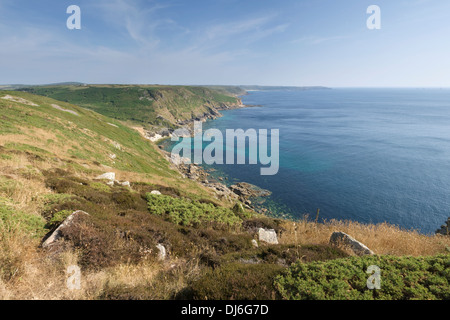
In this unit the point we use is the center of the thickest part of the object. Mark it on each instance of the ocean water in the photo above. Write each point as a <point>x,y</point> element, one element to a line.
<point>369,155</point>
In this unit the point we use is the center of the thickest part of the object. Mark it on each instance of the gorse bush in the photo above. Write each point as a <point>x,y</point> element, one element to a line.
<point>191,213</point>
<point>402,278</point>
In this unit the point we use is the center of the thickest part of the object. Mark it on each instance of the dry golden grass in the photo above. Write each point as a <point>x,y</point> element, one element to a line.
<point>25,274</point>
<point>381,238</point>
<point>22,183</point>
<point>161,280</point>
<point>133,275</point>
<point>34,275</point>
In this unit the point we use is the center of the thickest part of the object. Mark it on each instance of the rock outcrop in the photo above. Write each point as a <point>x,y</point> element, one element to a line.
<point>56,235</point>
<point>246,190</point>
<point>445,228</point>
<point>162,252</point>
<point>268,236</point>
<point>241,191</point>
<point>111,176</point>
<point>111,180</point>
<point>343,239</point>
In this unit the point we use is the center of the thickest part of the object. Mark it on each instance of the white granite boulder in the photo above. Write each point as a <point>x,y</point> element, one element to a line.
<point>162,252</point>
<point>343,239</point>
<point>268,236</point>
<point>56,235</point>
<point>111,176</point>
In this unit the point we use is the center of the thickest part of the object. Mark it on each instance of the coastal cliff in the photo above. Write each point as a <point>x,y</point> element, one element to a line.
<point>149,106</point>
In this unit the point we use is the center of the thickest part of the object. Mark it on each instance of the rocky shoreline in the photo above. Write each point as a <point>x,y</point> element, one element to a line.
<point>213,113</point>
<point>241,191</point>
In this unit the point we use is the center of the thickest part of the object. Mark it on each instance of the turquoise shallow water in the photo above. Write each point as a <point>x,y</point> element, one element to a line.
<point>370,155</point>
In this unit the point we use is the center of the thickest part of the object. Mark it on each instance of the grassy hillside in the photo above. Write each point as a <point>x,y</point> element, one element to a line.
<point>228,90</point>
<point>159,105</point>
<point>50,155</point>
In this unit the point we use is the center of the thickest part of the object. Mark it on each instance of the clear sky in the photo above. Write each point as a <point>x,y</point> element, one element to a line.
<point>285,42</point>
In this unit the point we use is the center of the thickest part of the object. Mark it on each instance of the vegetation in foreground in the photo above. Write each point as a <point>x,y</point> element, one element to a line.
<point>402,278</point>
<point>49,159</point>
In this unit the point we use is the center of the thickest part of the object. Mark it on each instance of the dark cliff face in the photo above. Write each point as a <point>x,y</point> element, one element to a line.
<point>445,228</point>
<point>213,112</point>
<point>225,106</point>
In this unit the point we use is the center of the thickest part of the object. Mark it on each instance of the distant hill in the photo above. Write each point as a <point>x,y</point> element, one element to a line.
<point>12,86</point>
<point>233,90</point>
<point>21,86</point>
<point>143,104</point>
<point>242,89</point>
<point>282,88</point>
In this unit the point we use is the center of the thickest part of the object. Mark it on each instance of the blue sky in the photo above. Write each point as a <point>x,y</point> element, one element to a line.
<point>286,42</point>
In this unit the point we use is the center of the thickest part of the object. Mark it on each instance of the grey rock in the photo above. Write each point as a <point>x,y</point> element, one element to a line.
<point>56,235</point>
<point>268,236</point>
<point>111,176</point>
<point>155,192</point>
<point>341,238</point>
<point>221,190</point>
<point>246,190</point>
<point>445,229</point>
<point>162,252</point>
<point>116,145</point>
<point>255,243</point>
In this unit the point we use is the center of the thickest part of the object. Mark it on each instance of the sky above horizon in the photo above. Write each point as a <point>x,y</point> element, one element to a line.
<point>227,42</point>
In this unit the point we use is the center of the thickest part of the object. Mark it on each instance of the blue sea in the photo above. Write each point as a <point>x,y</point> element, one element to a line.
<point>369,155</point>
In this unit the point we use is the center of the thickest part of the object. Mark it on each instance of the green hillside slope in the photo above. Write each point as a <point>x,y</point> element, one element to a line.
<point>158,105</point>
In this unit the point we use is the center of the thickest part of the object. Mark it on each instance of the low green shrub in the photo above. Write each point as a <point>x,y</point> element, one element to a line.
<point>191,213</point>
<point>239,210</point>
<point>100,186</point>
<point>402,278</point>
